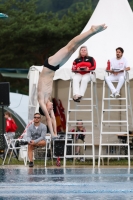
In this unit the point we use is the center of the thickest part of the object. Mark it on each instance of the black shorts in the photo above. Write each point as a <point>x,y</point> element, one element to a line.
<point>46,64</point>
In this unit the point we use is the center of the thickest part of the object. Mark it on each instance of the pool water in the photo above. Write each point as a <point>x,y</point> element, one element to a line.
<point>66,184</point>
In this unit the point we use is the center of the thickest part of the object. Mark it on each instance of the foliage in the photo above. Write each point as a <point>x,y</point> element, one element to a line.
<point>59,5</point>
<point>28,37</point>
<point>32,32</point>
<point>131,3</point>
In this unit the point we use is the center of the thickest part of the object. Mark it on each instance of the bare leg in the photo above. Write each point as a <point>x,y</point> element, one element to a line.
<point>77,149</point>
<point>30,152</point>
<point>31,148</point>
<point>64,54</point>
<point>44,93</point>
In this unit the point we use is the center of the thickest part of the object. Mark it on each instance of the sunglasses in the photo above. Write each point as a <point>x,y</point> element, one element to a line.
<point>36,117</point>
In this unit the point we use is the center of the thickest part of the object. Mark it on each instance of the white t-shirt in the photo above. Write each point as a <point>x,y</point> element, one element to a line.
<point>118,65</point>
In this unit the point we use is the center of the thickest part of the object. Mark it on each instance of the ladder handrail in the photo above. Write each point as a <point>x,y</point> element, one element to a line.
<point>103,121</point>
<point>76,110</point>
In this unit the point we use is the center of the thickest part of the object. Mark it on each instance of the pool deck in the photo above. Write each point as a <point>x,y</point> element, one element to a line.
<point>68,166</point>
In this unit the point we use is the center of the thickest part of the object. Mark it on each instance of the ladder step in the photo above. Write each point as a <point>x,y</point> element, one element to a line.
<point>120,121</point>
<point>82,99</point>
<point>86,105</point>
<point>79,121</point>
<point>77,144</point>
<point>116,133</point>
<point>78,110</point>
<point>115,125</point>
<point>94,125</point>
<point>115,144</point>
<point>114,98</point>
<point>113,156</point>
<point>114,110</point>
<point>85,133</point>
<point>111,105</point>
<point>78,156</point>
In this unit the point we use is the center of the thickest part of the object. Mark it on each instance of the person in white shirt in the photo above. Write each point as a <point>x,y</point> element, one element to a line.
<point>118,66</point>
<point>36,136</point>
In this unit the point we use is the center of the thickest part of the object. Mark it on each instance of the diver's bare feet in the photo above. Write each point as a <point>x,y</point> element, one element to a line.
<point>98,28</point>
<point>55,137</point>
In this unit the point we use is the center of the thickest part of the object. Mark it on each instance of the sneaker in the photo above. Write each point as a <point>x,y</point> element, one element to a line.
<point>80,97</point>
<point>55,137</point>
<point>82,159</point>
<point>31,164</point>
<point>77,157</point>
<point>112,96</point>
<point>21,143</point>
<point>76,99</point>
<point>117,95</point>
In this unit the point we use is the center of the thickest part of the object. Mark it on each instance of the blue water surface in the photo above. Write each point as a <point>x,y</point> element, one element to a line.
<point>62,183</point>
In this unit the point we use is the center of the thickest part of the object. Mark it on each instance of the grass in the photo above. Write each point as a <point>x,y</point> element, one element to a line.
<point>69,162</point>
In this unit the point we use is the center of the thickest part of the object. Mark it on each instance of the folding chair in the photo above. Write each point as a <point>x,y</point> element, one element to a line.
<point>41,150</point>
<point>23,154</point>
<point>48,147</point>
<point>11,145</point>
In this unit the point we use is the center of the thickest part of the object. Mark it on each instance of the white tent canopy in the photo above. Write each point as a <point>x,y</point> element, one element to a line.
<point>118,16</point>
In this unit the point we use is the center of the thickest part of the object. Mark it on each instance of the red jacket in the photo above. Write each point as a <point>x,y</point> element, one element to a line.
<point>9,125</point>
<point>78,134</point>
<point>86,61</point>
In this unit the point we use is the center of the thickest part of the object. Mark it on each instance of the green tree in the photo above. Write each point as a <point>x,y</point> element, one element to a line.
<point>21,32</point>
<point>28,37</point>
<point>59,4</point>
<point>44,6</point>
<point>131,3</point>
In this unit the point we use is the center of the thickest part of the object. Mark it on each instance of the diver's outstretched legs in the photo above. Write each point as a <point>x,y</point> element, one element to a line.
<point>64,54</point>
<point>46,76</point>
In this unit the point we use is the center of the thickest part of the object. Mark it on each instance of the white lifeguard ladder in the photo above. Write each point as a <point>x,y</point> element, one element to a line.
<point>109,126</point>
<point>88,110</point>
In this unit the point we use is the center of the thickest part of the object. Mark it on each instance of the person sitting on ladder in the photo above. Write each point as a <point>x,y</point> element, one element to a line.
<point>118,65</point>
<point>82,66</point>
<point>80,137</point>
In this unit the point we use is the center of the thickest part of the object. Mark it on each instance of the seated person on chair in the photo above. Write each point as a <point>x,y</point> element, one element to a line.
<point>36,133</point>
<point>79,138</point>
<point>82,67</point>
<point>118,65</point>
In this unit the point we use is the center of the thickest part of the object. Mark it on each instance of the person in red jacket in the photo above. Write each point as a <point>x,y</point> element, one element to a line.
<point>9,127</point>
<point>82,67</point>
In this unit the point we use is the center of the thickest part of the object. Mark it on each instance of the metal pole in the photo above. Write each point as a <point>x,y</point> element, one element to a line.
<point>3,120</point>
